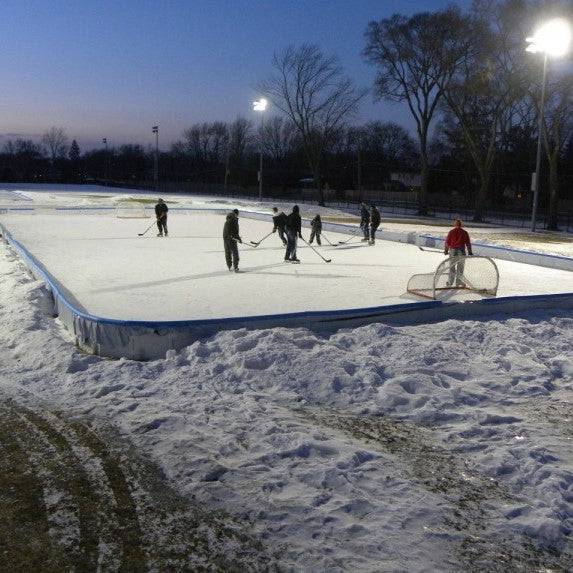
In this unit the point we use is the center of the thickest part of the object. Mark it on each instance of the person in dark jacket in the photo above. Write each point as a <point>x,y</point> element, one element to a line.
<point>230,239</point>
<point>316,226</point>
<point>293,232</point>
<point>279,222</point>
<point>364,221</point>
<point>374,223</point>
<point>161,215</point>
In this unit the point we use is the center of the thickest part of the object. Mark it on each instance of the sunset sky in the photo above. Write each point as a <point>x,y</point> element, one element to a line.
<point>103,68</point>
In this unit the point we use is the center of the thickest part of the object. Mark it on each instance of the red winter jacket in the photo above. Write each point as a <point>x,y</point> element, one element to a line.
<point>458,238</point>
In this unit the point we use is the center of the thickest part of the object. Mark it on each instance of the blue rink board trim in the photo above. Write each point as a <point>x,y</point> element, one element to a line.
<point>505,249</point>
<point>332,225</point>
<point>315,316</point>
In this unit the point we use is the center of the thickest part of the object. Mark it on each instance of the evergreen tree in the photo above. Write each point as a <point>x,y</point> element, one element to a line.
<point>74,151</point>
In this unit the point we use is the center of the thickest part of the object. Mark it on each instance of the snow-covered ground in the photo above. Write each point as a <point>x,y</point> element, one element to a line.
<point>442,447</point>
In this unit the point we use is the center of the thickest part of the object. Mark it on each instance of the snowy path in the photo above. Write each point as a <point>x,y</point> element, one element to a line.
<point>441,447</point>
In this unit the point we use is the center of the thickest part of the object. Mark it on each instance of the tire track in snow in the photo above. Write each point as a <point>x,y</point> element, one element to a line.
<point>25,542</point>
<point>93,543</point>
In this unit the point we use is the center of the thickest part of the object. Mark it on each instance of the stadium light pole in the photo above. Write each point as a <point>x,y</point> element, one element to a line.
<point>261,105</point>
<point>104,140</point>
<point>551,39</point>
<point>155,129</point>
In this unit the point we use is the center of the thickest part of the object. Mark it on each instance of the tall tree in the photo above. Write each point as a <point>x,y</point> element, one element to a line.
<point>279,137</point>
<point>486,86</point>
<point>74,151</point>
<point>415,61</point>
<point>557,131</point>
<point>56,140</point>
<point>558,106</point>
<point>311,90</point>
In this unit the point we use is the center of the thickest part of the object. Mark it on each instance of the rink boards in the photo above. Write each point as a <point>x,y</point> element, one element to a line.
<point>125,295</point>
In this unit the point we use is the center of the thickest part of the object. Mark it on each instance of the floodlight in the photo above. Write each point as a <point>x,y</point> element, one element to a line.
<point>260,105</point>
<point>553,38</point>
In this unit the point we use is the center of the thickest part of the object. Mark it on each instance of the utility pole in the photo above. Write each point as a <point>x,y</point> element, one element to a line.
<point>359,175</point>
<point>261,105</point>
<point>106,162</point>
<point>155,130</point>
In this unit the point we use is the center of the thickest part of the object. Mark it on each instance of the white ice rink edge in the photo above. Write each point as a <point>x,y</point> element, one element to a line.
<point>148,340</point>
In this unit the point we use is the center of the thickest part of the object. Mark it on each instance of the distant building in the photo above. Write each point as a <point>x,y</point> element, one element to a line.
<point>406,181</point>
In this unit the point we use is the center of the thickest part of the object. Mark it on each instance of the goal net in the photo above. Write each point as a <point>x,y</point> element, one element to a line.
<point>135,211</point>
<point>475,274</point>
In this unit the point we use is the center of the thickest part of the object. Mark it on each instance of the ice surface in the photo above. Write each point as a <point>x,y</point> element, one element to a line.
<point>114,273</point>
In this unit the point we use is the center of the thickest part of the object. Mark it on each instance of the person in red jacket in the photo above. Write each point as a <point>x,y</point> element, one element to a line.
<point>457,245</point>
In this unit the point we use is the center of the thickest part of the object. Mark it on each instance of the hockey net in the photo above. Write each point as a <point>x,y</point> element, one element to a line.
<point>476,274</point>
<point>135,211</point>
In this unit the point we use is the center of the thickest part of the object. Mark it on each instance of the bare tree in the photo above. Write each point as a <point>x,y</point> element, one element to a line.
<point>558,106</point>
<point>389,141</point>
<point>486,87</point>
<point>56,140</point>
<point>415,61</point>
<point>279,137</point>
<point>240,141</point>
<point>206,142</point>
<point>240,138</point>
<point>310,89</point>
<point>557,131</point>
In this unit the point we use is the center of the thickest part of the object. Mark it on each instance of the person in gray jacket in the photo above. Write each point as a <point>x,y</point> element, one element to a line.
<point>316,226</point>
<point>230,239</point>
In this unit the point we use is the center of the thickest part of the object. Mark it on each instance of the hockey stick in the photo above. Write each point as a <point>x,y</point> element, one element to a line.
<point>351,237</point>
<point>141,234</point>
<point>309,245</point>
<point>243,243</point>
<point>429,250</point>
<point>257,243</point>
<point>328,240</point>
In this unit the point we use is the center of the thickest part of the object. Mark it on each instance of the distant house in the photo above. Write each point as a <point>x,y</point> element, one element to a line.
<point>402,181</point>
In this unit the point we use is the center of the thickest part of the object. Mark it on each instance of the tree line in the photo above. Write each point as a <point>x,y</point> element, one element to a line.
<point>464,76</point>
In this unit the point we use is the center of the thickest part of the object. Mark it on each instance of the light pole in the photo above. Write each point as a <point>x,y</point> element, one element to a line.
<point>552,39</point>
<point>155,129</point>
<point>261,105</point>
<point>104,140</point>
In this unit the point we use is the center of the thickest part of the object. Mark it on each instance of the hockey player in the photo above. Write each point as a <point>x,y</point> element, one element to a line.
<point>316,226</point>
<point>230,239</point>
<point>161,215</point>
<point>456,244</point>
<point>293,232</point>
<point>279,221</point>
<point>364,221</point>
<point>374,223</point>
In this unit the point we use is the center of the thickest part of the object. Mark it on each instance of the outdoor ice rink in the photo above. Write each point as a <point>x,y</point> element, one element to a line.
<point>109,271</point>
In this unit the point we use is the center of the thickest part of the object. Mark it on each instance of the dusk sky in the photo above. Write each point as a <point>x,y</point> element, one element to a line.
<point>103,68</point>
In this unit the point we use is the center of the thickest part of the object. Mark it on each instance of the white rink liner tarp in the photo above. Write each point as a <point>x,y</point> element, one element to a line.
<point>125,295</point>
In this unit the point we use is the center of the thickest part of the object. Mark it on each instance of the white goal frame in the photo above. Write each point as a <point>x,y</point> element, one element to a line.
<point>132,211</point>
<point>429,284</point>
